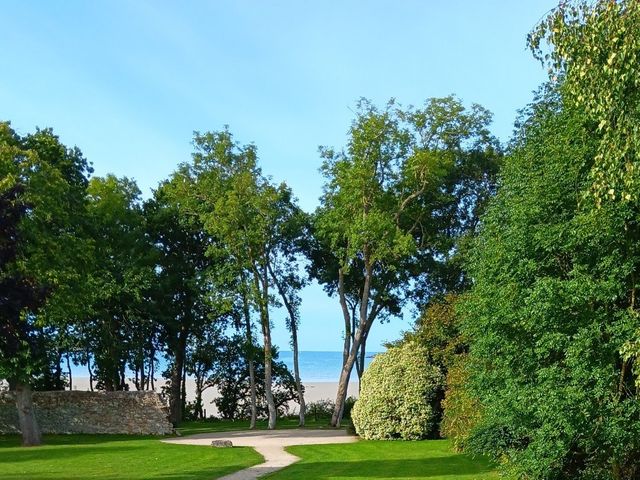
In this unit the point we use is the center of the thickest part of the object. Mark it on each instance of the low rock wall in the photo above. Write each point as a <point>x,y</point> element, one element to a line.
<point>141,413</point>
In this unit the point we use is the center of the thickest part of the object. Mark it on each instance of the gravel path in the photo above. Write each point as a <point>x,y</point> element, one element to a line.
<point>268,443</point>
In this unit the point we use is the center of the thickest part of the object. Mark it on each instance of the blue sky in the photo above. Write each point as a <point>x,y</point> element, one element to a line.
<point>129,81</point>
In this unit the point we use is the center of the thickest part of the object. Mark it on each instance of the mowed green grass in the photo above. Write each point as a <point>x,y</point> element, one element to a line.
<point>429,459</point>
<point>206,426</point>
<point>117,457</point>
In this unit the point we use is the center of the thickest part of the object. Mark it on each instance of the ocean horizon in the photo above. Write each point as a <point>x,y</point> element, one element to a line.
<point>319,366</point>
<point>315,366</point>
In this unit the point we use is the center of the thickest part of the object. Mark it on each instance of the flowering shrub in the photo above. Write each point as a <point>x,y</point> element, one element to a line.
<point>396,395</point>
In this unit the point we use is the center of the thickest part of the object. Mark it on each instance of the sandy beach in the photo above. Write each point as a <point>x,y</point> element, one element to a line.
<point>314,391</point>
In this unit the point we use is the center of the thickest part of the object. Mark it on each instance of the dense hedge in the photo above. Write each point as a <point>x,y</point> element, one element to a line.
<point>396,395</point>
<point>462,411</point>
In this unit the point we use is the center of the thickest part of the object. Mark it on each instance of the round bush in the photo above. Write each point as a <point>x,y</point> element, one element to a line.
<point>396,395</point>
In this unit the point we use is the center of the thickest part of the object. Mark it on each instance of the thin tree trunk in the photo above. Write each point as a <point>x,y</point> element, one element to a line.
<point>90,372</point>
<point>69,372</point>
<point>268,375</point>
<point>58,384</point>
<point>343,383</point>
<point>153,369</point>
<point>347,318</point>
<point>361,360</point>
<point>252,368</point>
<point>142,372</point>
<point>183,398</point>
<point>198,401</point>
<point>175,390</point>
<point>122,378</point>
<point>363,328</point>
<point>31,435</point>
<point>293,326</point>
<point>296,373</point>
<point>266,332</point>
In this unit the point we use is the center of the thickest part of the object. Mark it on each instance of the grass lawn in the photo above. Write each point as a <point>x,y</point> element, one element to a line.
<point>430,459</point>
<point>121,457</point>
<point>213,425</point>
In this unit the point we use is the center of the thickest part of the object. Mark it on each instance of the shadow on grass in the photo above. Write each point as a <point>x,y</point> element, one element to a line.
<point>192,475</point>
<point>61,452</point>
<point>453,467</point>
<point>11,441</point>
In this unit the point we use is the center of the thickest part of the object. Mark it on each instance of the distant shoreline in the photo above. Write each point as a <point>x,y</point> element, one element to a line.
<point>314,391</point>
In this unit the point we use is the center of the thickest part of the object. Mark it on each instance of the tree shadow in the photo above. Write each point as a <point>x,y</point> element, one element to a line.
<point>458,465</point>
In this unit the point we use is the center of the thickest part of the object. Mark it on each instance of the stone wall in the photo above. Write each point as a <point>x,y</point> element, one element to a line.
<point>143,413</point>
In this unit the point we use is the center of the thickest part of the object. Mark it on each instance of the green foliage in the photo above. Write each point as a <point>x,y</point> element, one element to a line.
<point>553,303</point>
<point>119,323</point>
<point>461,410</point>
<point>44,251</point>
<point>320,409</point>
<point>231,377</point>
<point>409,183</point>
<point>438,331</point>
<point>396,395</point>
<point>596,52</point>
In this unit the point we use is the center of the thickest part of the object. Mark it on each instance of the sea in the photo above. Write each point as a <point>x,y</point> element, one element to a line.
<point>314,366</point>
<point>320,366</point>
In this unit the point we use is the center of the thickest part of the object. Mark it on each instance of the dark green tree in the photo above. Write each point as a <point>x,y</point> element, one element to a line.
<point>42,252</point>
<point>119,327</point>
<point>552,305</point>
<point>182,291</point>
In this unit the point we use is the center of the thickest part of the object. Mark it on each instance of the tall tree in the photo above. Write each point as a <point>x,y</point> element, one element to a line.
<point>122,273</point>
<point>552,305</point>
<point>291,238</point>
<point>394,203</point>
<point>182,281</point>
<point>41,251</point>
<point>239,208</point>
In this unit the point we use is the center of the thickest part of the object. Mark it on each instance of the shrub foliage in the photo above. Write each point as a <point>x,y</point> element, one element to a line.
<point>397,394</point>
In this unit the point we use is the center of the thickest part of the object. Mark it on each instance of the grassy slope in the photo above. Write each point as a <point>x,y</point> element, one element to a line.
<point>430,459</point>
<point>111,457</point>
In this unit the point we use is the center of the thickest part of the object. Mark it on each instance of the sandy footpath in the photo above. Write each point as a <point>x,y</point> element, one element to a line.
<point>314,391</point>
<point>270,444</point>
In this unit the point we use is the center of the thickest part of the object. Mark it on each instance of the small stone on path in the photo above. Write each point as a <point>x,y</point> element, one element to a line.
<point>222,443</point>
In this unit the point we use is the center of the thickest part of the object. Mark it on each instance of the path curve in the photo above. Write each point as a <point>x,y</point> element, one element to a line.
<point>268,443</point>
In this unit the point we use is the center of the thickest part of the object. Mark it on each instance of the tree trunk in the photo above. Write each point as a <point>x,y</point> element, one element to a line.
<point>252,368</point>
<point>31,435</point>
<point>152,369</point>
<point>362,331</point>
<point>348,332</point>
<point>361,360</point>
<point>266,332</point>
<point>69,373</point>
<point>58,384</point>
<point>183,398</point>
<point>198,400</point>
<point>175,390</point>
<point>268,376</point>
<point>90,372</point>
<point>343,384</point>
<point>293,326</point>
<point>296,373</point>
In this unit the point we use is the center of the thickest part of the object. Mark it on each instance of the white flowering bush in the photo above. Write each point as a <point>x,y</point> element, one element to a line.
<point>396,395</point>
